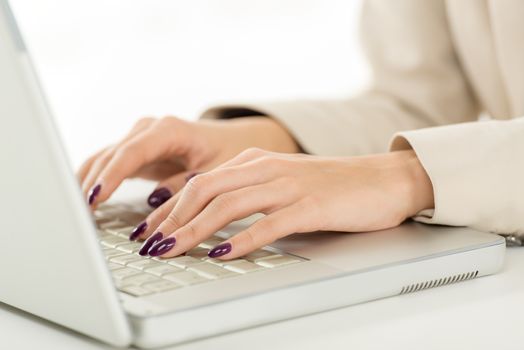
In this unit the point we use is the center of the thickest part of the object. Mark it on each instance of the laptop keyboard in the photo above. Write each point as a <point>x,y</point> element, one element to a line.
<point>142,276</point>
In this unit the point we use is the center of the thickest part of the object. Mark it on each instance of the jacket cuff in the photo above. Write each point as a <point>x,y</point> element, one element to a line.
<point>472,170</point>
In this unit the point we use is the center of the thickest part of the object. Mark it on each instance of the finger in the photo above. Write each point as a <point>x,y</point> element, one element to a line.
<point>101,161</point>
<point>144,148</point>
<point>244,157</point>
<point>144,229</point>
<point>166,188</point>
<point>96,167</point>
<point>84,168</point>
<point>223,210</point>
<point>201,189</point>
<point>281,223</point>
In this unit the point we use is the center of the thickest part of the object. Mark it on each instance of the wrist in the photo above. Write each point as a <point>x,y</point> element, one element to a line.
<point>418,189</point>
<point>266,133</point>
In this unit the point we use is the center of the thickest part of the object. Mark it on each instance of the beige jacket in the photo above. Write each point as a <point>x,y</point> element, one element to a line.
<point>435,63</point>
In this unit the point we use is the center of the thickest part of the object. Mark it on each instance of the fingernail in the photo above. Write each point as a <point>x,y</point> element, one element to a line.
<point>138,231</point>
<point>219,250</point>
<point>151,241</point>
<point>93,193</point>
<point>190,176</point>
<point>159,197</point>
<point>162,247</point>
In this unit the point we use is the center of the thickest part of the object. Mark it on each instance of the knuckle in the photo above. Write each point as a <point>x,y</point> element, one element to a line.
<point>159,214</point>
<point>225,202</point>
<point>190,232</point>
<point>272,161</point>
<point>129,150</point>
<point>197,184</point>
<point>173,220</point>
<point>254,152</point>
<point>107,155</point>
<point>168,122</point>
<point>144,121</point>
<point>263,227</point>
<point>250,236</point>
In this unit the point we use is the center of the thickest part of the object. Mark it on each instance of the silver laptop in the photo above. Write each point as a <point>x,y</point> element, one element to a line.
<point>77,269</point>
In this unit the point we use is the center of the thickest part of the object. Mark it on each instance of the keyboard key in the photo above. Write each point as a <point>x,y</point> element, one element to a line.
<point>101,219</point>
<point>278,261</point>
<point>260,255</point>
<point>100,214</point>
<point>122,232</point>
<point>125,259</point>
<point>136,291</point>
<point>183,261</point>
<point>243,266</point>
<point>143,263</point>
<point>113,266</point>
<point>113,241</point>
<point>124,273</point>
<point>112,224</point>
<point>222,262</point>
<point>101,233</point>
<point>109,253</point>
<point>215,261</point>
<point>162,269</point>
<point>132,247</point>
<point>211,271</point>
<point>160,286</point>
<point>185,278</point>
<point>142,276</point>
<point>140,279</point>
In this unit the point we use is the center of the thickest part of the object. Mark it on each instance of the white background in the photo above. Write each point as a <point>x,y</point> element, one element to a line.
<point>106,63</point>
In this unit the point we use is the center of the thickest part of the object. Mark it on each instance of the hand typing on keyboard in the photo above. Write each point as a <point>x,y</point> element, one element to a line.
<point>143,275</point>
<point>297,192</point>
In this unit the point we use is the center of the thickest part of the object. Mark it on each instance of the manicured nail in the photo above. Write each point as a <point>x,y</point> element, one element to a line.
<point>138,231</point>
<point>219,250</point>
<point>190,176</point>
<point>162,247</point>
<point>151,241</point>
<point>93,193</point>
<point>159,197</point>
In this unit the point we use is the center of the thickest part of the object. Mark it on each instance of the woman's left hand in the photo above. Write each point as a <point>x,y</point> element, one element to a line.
<point>297,192</point>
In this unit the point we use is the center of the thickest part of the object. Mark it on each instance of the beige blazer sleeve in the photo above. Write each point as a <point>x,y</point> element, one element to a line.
<point>417,83</point>
<point>476,172</point>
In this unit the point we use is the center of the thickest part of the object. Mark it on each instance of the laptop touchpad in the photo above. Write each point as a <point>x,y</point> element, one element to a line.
<point>355,251</point>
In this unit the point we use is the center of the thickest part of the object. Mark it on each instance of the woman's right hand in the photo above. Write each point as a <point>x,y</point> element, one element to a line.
<point>170,150</point>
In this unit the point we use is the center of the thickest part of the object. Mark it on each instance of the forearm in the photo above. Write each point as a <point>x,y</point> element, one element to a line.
<point>255,131</point>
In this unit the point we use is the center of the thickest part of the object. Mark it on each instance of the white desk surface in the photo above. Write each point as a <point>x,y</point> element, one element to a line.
<point>486,313</point>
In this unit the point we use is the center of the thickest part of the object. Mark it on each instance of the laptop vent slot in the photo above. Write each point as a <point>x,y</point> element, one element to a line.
<point>437,283</point>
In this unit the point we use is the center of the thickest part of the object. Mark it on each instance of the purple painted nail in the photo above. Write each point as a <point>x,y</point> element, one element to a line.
<point>190,176</point>
<point>138,231</point>
<point>219,250</point>
<point>162,247</point>
<point>93,193</point>
<point>151,241</point>
<point>158,197</point>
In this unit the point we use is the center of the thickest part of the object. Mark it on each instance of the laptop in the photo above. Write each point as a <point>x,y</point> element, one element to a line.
<point>78,269</point>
